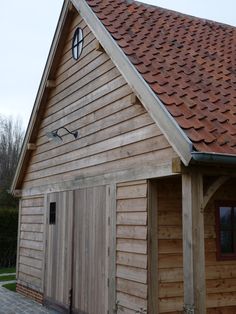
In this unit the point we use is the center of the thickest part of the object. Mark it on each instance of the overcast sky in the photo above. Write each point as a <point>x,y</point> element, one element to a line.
<point>26,32</point>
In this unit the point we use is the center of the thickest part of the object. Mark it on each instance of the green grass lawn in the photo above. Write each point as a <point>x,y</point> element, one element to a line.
<point>7,278</point>
<point>7,270</point>
<point>10,286</point>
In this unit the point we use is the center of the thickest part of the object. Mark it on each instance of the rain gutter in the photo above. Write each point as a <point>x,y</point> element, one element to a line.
<point>213,158</point>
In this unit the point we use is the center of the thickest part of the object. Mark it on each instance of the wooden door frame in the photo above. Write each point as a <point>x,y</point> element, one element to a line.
<point>47,301</point>
<point>110,283</point>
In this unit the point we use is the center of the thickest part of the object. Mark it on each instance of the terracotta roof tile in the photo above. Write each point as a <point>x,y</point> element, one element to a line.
<point>190,64</point>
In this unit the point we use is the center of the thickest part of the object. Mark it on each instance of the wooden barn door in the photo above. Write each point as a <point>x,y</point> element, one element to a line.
<point>90,252</point>
<point>58,263</point>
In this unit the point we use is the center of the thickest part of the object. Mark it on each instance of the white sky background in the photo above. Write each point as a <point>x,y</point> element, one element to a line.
<point>26,31</point>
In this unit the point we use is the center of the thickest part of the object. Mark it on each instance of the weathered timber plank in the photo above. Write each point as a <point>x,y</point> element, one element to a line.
<point>33,236</point>
<point>32,211</point>
<point>59,103</point>
<point>224,299</point>
<point>35,219</point>
<point>33,262</point>
<point>221,285</point>
<point>94,139</point>
<point>132,232</point>
<point>125,165</point>
<point>170,290</point>
<point>86,74</point>
<point>129,192</point>
<point>88,105</point>
<point>133,149</point>
<point>87,128</point>
<point>31,271</point>
<point>170,246</point>
<point>171,304</point>
<point>169,218</point>
<point>167,233</point>
<point>85,80</point>
<point>31,245</point>
<point>131,302</point>
<point>34,282</point>
<point>170,260</point>
<point>132,273</point>
<point>131,183</point>
<point>32,227</point>
<point>171,275</point>
<point>138,219</point>
<point>32,202</point>
<point>31,253</point>
<point>132,205</point>
<point>220,271</point>
<point>134,163</point>
<point>131,245</point>
<point>100,148</point>
<point>132,259</point>
<point>132,288</point>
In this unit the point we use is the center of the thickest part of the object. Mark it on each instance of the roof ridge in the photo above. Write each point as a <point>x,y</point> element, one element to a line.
<point>181,14</point>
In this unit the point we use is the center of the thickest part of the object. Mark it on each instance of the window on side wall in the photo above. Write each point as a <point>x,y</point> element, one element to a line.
<point>226,230</point>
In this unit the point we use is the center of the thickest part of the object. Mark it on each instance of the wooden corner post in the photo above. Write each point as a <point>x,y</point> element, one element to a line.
<point>152,249</point>
<point>193,243</point>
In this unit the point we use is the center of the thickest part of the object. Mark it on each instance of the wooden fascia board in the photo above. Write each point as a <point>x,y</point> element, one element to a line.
<point>174,134</point>
<point>40,94</point>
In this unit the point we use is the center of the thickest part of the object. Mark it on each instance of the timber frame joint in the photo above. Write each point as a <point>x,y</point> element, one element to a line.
<point>211,191</point>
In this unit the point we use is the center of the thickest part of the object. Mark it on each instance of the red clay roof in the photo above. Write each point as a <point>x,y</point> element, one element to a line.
<point>190,63</point>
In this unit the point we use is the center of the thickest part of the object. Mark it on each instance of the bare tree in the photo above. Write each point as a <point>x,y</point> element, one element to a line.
<point>11,138</point>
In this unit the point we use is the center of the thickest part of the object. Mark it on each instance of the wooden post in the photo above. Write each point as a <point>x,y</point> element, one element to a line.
<point>111,237</point>
<point>18,239</point>
<point>152,249</point>
<point>193,244</point>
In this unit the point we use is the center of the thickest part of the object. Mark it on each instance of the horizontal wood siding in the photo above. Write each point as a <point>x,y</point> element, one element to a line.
<point>131,258</point>
<point>31,239</point>
<point>115,131</point>
<point>220,275</point>
<point>170,252</point>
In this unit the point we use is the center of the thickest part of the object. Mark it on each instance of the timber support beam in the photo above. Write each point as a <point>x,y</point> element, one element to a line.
<point>212,189</point>
<point>193,243</point>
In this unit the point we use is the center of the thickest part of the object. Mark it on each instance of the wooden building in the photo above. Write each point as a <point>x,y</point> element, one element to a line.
<point>131,207</point>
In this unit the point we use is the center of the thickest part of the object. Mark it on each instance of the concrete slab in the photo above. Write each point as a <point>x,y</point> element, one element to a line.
<point>14,303</point>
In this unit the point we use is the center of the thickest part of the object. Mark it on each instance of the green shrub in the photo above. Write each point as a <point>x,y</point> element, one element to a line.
<point>8,237</point>
<point>7,270</point>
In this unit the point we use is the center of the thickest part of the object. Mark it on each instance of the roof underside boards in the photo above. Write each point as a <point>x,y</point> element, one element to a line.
<point>190,63</point>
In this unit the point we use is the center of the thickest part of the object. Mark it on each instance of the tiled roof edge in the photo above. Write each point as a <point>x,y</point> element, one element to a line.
<point>173,132</point>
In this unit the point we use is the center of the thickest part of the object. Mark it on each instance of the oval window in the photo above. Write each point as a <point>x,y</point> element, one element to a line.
<point>77,43</point>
